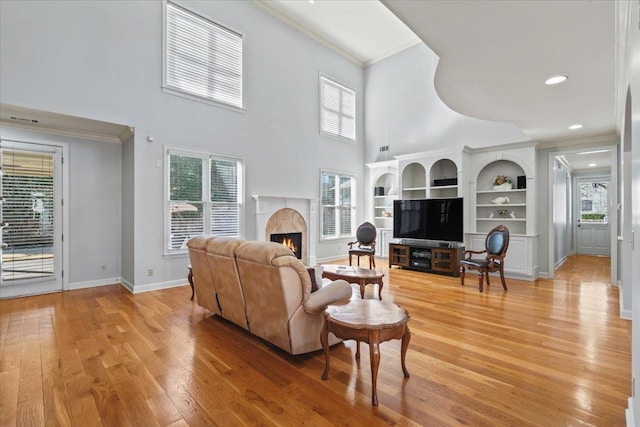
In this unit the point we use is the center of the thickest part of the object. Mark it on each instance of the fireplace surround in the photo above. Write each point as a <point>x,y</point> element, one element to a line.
<point>275,214</point>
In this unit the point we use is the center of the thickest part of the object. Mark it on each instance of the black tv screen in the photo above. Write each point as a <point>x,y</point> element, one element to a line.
<point>410,219</point>
<point>430,219</point>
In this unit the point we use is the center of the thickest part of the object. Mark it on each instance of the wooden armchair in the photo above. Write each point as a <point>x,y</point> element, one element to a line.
<point>496,245</point>
<point>366,242</point>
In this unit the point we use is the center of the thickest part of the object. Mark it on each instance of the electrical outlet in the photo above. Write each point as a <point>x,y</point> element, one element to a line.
<point>103,267</point>
<point>150,272</point>
<point>384,148</point>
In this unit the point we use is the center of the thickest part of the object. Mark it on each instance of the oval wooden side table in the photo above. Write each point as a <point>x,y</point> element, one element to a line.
<point>369,320</point>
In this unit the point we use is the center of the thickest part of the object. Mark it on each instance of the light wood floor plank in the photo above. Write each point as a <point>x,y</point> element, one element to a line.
<point>550,352</point>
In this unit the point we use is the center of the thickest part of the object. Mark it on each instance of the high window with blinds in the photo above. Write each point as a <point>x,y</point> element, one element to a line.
<point>337,109</point>
<point>338,212</point>
<point>202,58</point>
<point>204,196</point>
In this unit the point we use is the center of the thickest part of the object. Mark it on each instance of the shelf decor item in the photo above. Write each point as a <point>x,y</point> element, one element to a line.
<point>502,182</point>
<point>502,213</point>
<point>500,200</point>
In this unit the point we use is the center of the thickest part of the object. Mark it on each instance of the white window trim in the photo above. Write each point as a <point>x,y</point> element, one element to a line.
<point>353,205</point>
<point>320,107</point>
<point>187,95</point>
<point>204,156</point>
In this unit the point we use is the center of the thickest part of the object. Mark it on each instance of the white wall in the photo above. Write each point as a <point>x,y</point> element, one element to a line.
<point>561,212</point>
<point>128,209</point>
<point>405,112</point>
<point>102,60</point>
<point>632,72</point>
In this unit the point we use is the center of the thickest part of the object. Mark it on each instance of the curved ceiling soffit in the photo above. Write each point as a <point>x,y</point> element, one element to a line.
<point>494,57</point>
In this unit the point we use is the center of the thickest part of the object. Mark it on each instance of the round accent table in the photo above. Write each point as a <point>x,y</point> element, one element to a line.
<point>369,320</point>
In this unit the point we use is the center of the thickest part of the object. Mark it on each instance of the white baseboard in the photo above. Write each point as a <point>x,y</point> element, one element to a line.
<point>329,259</point>
<point>93,283</point>
<point>629,414</point>
<point>562,261</point>
<point>156,286</point>
<point>127,285</point>
<point>626,314</point>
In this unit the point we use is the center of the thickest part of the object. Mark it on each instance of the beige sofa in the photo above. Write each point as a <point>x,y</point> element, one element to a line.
<point>263,288</point>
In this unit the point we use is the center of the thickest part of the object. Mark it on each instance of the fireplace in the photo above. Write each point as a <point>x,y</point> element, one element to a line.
<point>288,215</point>
<point>291,240</point>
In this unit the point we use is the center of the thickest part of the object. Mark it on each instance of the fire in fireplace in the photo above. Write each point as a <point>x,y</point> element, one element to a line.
<point>291,240</point>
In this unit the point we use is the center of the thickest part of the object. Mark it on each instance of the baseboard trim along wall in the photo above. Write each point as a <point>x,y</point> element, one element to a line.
<point>93,283</point>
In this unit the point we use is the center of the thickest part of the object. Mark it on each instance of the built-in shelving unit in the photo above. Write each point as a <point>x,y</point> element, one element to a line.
<point>502,205</point>
<point>384,190</point>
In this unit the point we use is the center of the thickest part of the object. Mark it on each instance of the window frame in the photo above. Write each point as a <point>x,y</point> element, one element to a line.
<point>173,90</point>
<point>205,196</point>
<point>321,108</point>
<point>353,206</point>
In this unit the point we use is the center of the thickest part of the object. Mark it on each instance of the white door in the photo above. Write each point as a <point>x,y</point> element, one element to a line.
<point>31,216</point>
<point>593,231</point>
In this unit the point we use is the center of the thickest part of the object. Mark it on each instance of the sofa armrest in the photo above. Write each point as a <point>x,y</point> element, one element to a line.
<point>338,291</point>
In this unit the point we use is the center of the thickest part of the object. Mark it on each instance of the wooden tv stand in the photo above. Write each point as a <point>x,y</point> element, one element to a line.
<point>430,257</point>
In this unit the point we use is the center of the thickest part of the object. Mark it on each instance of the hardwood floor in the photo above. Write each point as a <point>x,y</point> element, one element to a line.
<point>545,353</point>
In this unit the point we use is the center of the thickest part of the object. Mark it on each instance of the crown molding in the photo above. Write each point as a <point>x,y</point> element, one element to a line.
<point>608,138</point>
<point>72,133</point>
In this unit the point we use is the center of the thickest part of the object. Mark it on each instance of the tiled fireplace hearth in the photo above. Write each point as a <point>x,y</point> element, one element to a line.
<point>283,215</point>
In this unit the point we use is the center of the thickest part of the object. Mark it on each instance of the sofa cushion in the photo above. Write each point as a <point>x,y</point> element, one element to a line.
<point>222,264</point>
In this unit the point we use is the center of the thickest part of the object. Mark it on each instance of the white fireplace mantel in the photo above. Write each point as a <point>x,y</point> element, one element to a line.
<point>266,206</point>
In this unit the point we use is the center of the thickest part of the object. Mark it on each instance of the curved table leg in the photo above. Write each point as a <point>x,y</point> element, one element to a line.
<point>380,284</point>
<point>374,355</point>
<point>190,279</point>
<point>405,344</point>
<point>324,339</point>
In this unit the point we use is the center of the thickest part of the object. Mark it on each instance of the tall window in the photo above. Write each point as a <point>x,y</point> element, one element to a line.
<point>204,196</point>
<point>202,58</point>
<point>338,197</point>
<point>337,109</point>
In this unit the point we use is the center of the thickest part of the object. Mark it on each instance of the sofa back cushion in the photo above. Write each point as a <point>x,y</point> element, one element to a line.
<point>221,258</point>
<point>203,284</point>
<point>275,283</point>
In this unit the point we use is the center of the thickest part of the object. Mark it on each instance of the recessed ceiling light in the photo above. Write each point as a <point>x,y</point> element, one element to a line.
<point>592,165</point>
<point>312,1</point>
<point>576,126</point>
<point>555,80</point>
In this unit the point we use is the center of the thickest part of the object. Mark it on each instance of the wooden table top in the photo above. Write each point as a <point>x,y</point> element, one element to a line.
<point>349,271</point>
<point>368,313</point>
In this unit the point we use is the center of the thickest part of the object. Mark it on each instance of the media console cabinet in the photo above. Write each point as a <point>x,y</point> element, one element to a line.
<point>430,257</point>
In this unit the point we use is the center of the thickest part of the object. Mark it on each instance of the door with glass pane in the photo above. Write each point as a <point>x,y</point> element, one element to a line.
<point>31,240</point>
<point>593,233</point>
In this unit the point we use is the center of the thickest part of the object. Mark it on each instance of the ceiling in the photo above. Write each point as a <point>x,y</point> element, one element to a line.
<point>494,56</point>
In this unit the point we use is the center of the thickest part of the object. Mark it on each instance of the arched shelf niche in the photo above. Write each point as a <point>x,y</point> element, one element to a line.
<point>501,204</point>
<point>443,178</point>
<point>414,181</point>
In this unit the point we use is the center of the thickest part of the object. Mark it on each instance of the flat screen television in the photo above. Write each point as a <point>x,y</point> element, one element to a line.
<point>429,219</point>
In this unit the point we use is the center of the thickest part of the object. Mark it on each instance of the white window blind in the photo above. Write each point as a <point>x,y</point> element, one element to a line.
<point>202,58</point>
<point>337,109</point>
<point>28,213</point>
<point>225,206</point>
<point>205,196</point>
<point>337,194</point>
